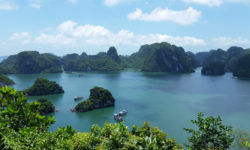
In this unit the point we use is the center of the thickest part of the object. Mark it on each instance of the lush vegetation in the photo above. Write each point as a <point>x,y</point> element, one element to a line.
<point>46,106</point>
<point>43,86</point>
<point>109,61</point>
<point>211,134</point>
<point>4,80</point>
<point>22,127</point>
<point>242,68</point>
<point>162,57</point>
<point>29,62</point>
<point>99,98</point>
<point>214,68</point>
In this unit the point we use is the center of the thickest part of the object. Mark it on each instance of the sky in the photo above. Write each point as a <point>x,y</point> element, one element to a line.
<point>75,26</point>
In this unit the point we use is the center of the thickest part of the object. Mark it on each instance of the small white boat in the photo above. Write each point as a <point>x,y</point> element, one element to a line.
<point>78,98</point>
<point>123,112</point>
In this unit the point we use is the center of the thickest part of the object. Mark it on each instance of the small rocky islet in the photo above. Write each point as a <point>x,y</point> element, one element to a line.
<point>99,98</point>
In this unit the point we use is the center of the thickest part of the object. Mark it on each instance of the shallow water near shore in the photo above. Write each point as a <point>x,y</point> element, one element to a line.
<point>168,101</point>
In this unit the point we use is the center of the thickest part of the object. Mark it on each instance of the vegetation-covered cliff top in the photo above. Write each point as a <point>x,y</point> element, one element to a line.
<point>43,86</point>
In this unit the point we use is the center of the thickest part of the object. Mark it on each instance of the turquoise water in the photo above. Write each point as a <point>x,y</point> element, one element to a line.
<point>168,101</point>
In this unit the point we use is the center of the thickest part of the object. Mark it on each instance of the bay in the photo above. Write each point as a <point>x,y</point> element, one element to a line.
<point>168,101</point>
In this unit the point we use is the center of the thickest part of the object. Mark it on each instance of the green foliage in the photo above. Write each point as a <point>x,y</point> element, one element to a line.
<point>117,136</point>
<point>45,106</point>
<point>162,57</point>
<point>99,98</point>
<point>4,80</point>
<point>211,134</point>
<point>242,68</point>
<point>17,113</point>
<point>30,139</point>
<point>29,62</point>
<point>214,68</point>
<point>43,86</point>
<point>241,140</point>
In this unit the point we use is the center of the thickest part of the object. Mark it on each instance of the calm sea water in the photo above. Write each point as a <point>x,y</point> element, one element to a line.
<point>165,100</point>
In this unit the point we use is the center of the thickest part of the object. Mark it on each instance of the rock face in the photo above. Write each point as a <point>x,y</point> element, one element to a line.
<point>43,86</point>
<point>99,98</point>
<point>162,57</point>
<point>46,106</point>
<point>242,68</point>
<point>214,69</point>
<point>4,80</point>
<point>112,52</point>
<point>30,62</point>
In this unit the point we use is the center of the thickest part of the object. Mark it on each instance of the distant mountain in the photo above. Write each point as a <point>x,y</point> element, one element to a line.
<point>229,58</point>
<point>242,67</point>
<point>109,61</point>
<point>162,57</point>
<point>201,56</point>
<point>29,62</point>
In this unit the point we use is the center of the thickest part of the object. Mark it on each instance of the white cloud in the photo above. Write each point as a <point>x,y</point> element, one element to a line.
<point>23,38</point>
<point>70,33</point>
<point>212,3</point>
<point>58,39</point>
<point>184,17</point>
<point>7,5</point>
<point>229,41</point>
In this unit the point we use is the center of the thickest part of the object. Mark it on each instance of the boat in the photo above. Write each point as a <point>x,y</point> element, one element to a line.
<point>78,98</point>
<point>123,112</point>
<point>117,117</point>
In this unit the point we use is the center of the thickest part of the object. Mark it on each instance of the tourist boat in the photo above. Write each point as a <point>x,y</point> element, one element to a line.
<point>117,117</point>
<point>123,112</point>
<point>78,98</point>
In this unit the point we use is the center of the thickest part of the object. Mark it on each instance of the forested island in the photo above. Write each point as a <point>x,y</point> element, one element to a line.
<point>214,60</point>
<point>98,98</point>
<point>31,62</point>
<point>157,57</point>
<point>43,86</point>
